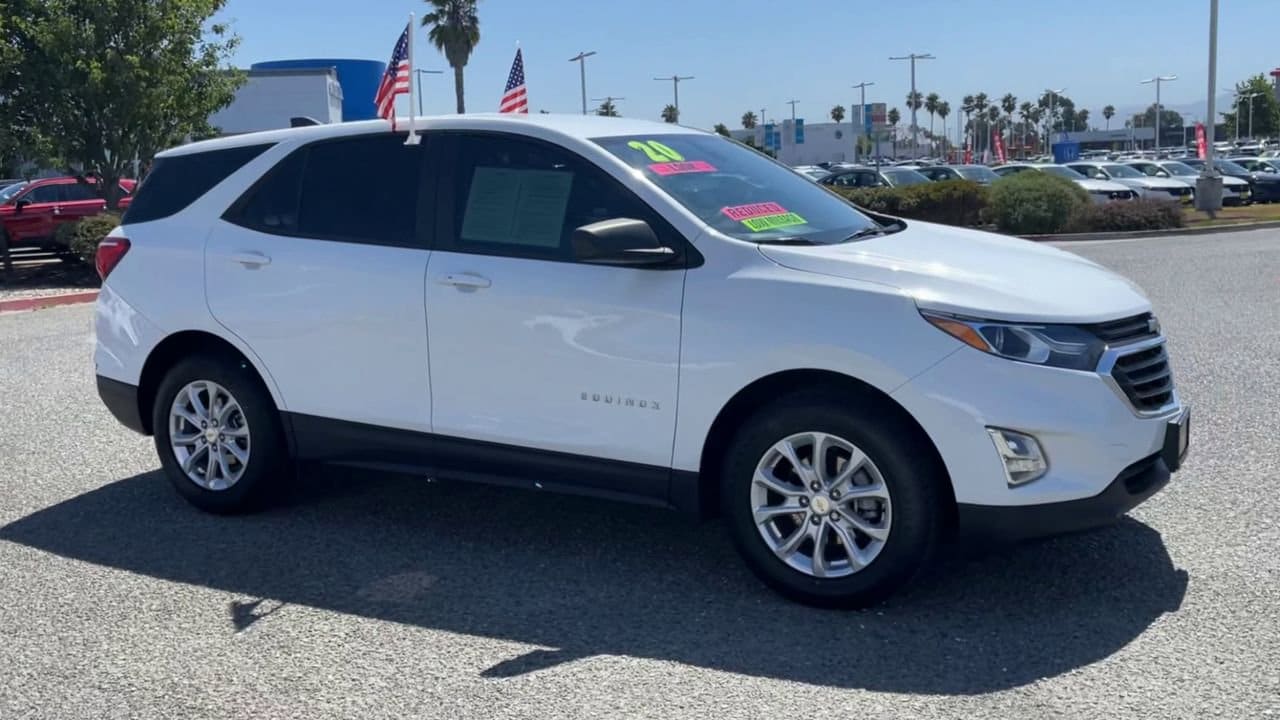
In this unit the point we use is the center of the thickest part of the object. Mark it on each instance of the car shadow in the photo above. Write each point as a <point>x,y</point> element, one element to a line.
<point>580,578</point>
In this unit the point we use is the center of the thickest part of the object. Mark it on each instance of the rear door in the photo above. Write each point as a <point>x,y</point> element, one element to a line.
<point>77,201</point>
<point>319,268</point>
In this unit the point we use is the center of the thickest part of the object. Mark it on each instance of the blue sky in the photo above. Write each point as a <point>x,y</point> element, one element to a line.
<point>750,54</point>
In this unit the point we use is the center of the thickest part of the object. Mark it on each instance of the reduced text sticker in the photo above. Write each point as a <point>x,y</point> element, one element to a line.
<point>743,212</point>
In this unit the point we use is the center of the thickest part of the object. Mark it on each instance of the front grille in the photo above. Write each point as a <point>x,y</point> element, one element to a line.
<point>1121,194</point>
<point>1145,378</point>
<point>1180,192</point>
<point>1126,330</point>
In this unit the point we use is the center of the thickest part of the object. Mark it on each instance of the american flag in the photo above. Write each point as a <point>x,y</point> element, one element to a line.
<point>395,81</point>
<point>514,100</point>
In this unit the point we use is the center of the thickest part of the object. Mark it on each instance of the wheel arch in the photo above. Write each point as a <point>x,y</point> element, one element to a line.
<point>183,344</point>
<point>764,390</point>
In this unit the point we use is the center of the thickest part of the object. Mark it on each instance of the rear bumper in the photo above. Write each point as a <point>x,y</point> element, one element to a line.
<point>1006,523</point>
<point>122,400</point>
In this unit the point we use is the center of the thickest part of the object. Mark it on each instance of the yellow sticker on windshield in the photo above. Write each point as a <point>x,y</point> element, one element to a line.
<point>771,222</point>
<point>657,152</point>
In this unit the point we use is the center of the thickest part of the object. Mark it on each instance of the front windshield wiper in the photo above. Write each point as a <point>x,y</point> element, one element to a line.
<point>873,231</point>
<point>785,241</point>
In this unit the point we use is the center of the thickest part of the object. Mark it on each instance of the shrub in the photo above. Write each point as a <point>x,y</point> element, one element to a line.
<point>82,237</point>
<point>1128,215</point>
<point>951,202</point>
<point>1035,203</point>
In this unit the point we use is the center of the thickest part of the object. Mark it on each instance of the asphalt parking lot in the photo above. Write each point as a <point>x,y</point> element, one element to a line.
<point>374,596</point>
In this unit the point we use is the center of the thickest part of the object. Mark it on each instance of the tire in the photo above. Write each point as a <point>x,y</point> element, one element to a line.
<point>254,431</point>
<point>902,466</point>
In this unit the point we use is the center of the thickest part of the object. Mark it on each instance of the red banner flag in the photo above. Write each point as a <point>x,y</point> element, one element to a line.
<point>999,144</point>
<point>1201,150</point>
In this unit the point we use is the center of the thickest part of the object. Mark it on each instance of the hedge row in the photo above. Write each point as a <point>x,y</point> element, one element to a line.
<point>1029,203</point>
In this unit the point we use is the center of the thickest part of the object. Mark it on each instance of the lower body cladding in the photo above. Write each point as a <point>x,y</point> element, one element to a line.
<point>1101,457</point>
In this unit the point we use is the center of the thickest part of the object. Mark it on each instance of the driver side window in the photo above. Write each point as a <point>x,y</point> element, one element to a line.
<point>42,194</point>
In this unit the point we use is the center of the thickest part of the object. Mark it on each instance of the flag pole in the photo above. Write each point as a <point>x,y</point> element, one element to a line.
<point>413,138</point>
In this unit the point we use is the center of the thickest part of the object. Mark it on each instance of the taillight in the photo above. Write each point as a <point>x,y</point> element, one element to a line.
<point>110,251</point>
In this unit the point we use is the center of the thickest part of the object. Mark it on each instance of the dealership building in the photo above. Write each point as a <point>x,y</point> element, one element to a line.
<point>329,90</point>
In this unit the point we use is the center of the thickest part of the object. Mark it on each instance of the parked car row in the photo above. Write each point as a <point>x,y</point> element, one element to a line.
<point>30,212</point>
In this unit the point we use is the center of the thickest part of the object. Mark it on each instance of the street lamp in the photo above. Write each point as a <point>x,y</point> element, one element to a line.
<point>419,73</point>
<point>581,59</point>
<point>862,110</point>
<point>1157,80</point>
<point>675,87</point>
<point>1239,98</point>
<point>915,127</point>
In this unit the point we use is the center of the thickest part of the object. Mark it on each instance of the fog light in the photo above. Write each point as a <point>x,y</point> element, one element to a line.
<point>1023,459</point>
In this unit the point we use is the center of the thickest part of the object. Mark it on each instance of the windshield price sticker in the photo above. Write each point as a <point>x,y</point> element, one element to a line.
<point>759,217</point>
<point>679,168</point>
<point>754,210</point>
<point>656,151</point>
<point>770,222</point>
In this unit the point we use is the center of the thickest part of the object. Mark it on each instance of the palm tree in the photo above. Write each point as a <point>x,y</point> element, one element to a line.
<point>722,129</point>
<point>455,31</point>
<point>966,106</point>
<point>1037,114</point>
<point>943,109</point>
<point>748,120</point>
<point>915,101</point>
<point>670,114</point>
<point>894,117</point>
<point>607,108</point>
<point>980,104</point>
<point>1025,111</point>
<point>1109,112</point>
<point>837,113</point>
<point>993,117</point>
<point>931,106</point>
<point>1009,103</point>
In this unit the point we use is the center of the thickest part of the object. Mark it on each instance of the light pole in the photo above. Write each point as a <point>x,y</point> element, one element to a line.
<point>1209,185</point>
<point>1157,80</point>
<point>1250,98</point>
<point>862,120</point>
<point>675,87</point>
<point>419,73</point>
<point>1048,131</point>
<point>915,128</point>
<point>581,59</point>
<point>792,103</point>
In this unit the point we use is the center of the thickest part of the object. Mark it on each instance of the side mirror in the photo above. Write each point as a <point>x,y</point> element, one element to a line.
<point>18,206</point>
<point>621,241</point>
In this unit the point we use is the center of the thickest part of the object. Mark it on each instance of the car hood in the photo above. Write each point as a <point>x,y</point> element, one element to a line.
<point>1156,183</point>
<point>975,274</point>
<point>1100,185</point>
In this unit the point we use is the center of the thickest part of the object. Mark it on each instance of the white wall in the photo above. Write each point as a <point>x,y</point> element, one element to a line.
<point>269,98</point>
<point>823,142</point>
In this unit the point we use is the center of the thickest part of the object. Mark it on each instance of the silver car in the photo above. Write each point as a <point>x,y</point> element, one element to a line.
<point>1100,191</point>
<point>1152,188</point>
<point>1234,190</point>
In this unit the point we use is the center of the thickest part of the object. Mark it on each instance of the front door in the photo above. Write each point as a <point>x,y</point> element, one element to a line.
<point>319,269</point>
<point>532,349</point>
<point>35,220</point>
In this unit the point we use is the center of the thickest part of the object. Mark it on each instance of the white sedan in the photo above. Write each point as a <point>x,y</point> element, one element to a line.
<point>1148,187</point>
<point>1100,191</point>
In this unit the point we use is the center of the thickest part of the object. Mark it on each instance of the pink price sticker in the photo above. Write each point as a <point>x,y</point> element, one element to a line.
<point>754,210</point>
<point>679,168</point>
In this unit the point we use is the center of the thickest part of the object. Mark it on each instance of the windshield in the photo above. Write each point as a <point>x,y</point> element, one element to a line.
<point>737,190</point>
<point>980,173</point>
<point>1230,168</point>
<point>903,176</point>
<point>1060,171</point>
<point>1177,168</point>
<point>1122,171</point>
<point>7,193</point>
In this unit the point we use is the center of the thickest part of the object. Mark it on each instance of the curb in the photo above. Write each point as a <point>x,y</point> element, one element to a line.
<point>39,303</point>
<point>1133,234</point>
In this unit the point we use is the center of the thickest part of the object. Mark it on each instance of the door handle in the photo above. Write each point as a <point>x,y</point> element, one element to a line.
<point>57,209</point>
<point>251,259</point>
<point>465,280</point>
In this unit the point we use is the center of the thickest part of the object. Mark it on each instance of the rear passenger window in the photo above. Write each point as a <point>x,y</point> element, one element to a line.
<point>74,192</point>
<point>176,182</point>
<point>362,189</point>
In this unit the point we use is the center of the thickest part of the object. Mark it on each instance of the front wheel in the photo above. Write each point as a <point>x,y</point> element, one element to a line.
<point>835,505</point>
<point>218,434</point>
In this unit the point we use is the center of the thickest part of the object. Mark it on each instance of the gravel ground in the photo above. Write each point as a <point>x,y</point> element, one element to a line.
<point>392,597</point>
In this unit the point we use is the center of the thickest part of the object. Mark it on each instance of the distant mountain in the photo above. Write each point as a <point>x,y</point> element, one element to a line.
<point>1186,110</point>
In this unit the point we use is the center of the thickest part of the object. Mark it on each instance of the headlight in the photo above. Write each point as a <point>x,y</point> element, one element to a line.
<point>1063,346</point>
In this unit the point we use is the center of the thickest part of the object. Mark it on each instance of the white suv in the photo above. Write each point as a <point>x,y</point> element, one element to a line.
<point>631,310</point>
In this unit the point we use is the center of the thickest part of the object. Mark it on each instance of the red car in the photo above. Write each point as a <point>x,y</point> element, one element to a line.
<point>30,212</point>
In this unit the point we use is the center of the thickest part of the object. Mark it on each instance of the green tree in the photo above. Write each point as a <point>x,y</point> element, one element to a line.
<point>1168,119</point>
<point>837,114</point>
<point>931,106</point>
<point>607,108</point>
<point>748,120</point>
<point>1109,112</point>
<point>1009,104</point>
<point>109,83</point>
<point>980,105</point>
<point>1026,111</point>
<point>894,118</point>
<point>1266,110</point>
<point>455,31</point>
<point>1082,119</point>
<point>670,114</point>
<point>943,109</point>
<point>722,129</point>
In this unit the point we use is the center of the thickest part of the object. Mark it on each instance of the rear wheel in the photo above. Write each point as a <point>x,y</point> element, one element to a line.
<point>218,434</point>
<point>829,507</point>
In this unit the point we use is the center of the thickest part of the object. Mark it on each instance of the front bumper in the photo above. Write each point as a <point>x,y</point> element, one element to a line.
<point>1005,523</point>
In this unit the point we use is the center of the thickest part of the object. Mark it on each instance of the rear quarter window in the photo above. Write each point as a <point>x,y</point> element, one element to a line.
<point>176,182</point>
